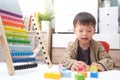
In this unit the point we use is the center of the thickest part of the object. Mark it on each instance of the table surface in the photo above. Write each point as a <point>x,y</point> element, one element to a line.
<point>38,73</point>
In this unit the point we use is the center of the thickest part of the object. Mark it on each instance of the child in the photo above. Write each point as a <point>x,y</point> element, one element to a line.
<point>84,50</point>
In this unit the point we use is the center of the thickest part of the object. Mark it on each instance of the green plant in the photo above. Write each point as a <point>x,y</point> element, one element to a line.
<point>47,16</point>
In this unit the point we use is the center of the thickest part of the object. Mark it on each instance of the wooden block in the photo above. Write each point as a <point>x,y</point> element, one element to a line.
<point>66,74</point>
<point>79,77</point>
<point>94,74</point>
<point>47,75</point>
<point>52,75</point>
<point>93,68</point>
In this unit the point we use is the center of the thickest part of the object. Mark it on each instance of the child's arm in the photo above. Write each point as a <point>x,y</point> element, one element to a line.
<point>104,58</point>
<point>69,57</point>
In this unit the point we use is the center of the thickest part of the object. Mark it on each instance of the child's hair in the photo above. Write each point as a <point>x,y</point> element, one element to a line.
<point>84,18</point>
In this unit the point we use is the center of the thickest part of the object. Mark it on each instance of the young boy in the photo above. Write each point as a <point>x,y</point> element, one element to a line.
<point>84,50</point>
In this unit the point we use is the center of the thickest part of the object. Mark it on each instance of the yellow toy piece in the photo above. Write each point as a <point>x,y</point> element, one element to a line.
<point>93,68</point>
<point>52,75</point>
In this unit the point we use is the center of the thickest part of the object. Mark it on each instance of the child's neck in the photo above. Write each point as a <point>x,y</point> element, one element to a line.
<point>84,46</point>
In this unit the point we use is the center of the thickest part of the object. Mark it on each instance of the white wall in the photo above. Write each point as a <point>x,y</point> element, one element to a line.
<point>10,5</point>
<point>28,7</point>
<point>65,11</point>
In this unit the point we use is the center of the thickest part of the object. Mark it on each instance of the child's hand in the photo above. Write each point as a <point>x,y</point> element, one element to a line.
<point>100,67</point>
<point>78,64</point>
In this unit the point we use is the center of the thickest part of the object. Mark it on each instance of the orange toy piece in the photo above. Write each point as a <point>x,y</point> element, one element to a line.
<point>83,73</point>
<point>52,75</point>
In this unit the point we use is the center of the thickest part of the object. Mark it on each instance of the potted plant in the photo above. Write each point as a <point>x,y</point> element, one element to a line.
<point>45,20</point>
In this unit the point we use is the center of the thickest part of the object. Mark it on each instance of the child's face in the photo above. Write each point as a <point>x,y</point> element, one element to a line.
<point>84,33</point>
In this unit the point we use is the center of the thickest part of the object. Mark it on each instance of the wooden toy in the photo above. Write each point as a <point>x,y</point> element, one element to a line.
<point>79,77</point>
<point>83,68</point>
<point>94,74</point>
<point>16,43</point>
<point>83,73</point>
<point>60,66</point>
<point>93,71</point>
<point>65,73</point>
<point>80,69</point>
<point>52,75</point>
<point>61,69</point>
<point>93,68</point>
<point>42,42</point>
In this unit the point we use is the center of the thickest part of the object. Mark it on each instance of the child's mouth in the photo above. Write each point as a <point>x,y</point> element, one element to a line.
<point>84,38</point>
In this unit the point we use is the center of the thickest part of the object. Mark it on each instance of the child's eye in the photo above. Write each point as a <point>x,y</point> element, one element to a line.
<point>80,30</point>
<point>89,31</point>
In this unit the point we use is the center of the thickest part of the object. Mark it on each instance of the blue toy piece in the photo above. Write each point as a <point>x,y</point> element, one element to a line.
<point>94,74</point>
<point>61,69</point>
<point>65,73</point>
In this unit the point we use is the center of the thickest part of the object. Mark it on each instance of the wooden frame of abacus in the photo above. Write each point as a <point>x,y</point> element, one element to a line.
<point>6,51</point>
<point>4,42</point>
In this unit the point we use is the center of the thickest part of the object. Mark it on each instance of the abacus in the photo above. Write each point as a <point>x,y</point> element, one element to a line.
<point>15,42</point>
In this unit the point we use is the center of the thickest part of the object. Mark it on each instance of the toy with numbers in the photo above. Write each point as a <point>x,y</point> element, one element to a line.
<point>42,42</point>
<point>16,43</point>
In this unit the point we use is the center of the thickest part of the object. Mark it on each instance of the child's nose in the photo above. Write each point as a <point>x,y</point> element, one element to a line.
<point>84,32</point>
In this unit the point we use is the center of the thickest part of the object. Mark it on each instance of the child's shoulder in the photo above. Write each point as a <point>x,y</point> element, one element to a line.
<point>70,43</point>
<point>95,42</point>
<point>73,43</point>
